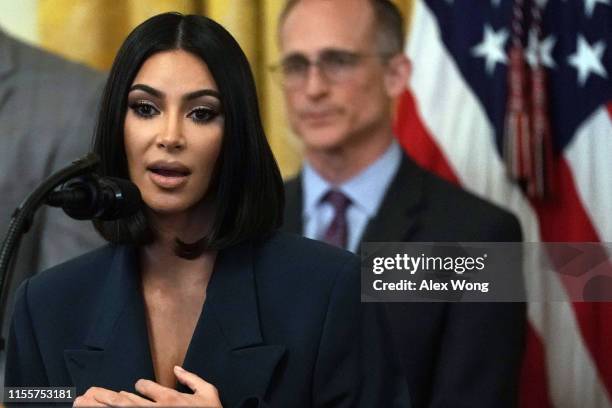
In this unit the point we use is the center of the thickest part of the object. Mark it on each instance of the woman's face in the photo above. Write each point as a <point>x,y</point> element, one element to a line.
<point>173,131</point>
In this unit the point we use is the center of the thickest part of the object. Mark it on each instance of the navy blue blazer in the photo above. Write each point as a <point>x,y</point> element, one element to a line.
<point>282,326</point>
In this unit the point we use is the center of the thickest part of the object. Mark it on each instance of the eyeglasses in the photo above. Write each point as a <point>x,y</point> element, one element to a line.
<point>335,66</point>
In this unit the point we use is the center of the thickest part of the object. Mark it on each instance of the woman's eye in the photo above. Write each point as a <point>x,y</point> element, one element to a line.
<point>144,110</point>
<point>202,115</point>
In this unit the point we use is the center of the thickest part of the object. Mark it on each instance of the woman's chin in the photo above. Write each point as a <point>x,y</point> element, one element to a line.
<point>168,208</point>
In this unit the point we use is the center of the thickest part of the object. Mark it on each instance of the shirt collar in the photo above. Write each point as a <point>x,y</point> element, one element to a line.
<point>366,190</point>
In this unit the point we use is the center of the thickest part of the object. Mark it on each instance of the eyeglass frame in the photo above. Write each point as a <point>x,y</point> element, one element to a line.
<point>355,58</point>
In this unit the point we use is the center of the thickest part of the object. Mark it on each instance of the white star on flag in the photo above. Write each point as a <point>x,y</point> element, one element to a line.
<point>589,6</point>
<point>495,3</point>
<point>492,47</point>
<point>587,59</point>
<point>541,50</point>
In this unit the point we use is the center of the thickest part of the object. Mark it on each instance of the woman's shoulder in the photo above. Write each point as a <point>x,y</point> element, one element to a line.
<point>284,245</point>
<point>73,276</point>
<point>290,254</point>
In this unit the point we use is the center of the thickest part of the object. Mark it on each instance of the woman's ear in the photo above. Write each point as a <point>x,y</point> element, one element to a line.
<point>397,74</point>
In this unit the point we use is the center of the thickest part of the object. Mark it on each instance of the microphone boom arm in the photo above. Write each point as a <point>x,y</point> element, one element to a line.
<point>22,219</point>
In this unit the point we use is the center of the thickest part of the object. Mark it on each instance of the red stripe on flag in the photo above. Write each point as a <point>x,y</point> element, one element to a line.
<point>564,219</point>
<point>610,109</point>
<point>534,378</point>
<point>415,139</point>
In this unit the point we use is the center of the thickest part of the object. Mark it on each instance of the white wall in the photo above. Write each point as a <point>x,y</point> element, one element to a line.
<point>19,18</point>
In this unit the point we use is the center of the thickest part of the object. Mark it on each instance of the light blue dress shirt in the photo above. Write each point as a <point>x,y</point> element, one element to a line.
<point>366,191</point>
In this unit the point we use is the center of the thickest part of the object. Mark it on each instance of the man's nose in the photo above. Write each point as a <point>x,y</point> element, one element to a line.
<point>317,84</point>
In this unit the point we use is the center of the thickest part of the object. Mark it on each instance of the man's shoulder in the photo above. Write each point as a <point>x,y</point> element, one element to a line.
<point>467,211</point>
<point>32,62</point>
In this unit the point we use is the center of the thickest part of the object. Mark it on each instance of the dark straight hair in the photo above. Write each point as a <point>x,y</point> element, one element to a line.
<point>247,186</point>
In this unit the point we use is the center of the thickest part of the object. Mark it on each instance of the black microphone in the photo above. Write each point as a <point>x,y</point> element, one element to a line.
<point>102,198</point>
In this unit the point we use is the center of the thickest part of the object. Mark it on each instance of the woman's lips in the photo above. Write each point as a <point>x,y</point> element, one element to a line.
<point>167,178</point>
<point>168,174</point>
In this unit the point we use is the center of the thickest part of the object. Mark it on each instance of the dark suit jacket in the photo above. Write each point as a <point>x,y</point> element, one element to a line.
<point>454,354</point>
<point>281,327</point>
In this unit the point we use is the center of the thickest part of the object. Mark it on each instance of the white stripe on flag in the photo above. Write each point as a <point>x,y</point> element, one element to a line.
<point>589,155</point>
<point>456,120</point>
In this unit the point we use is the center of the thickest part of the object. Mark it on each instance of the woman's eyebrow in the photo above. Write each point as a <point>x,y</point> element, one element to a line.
<point>190,96</point>
<point>202,92</point>
<point>147,89</point>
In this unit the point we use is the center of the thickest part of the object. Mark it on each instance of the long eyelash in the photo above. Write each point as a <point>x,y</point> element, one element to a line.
<point>137,104</point>
<point>211,113</point>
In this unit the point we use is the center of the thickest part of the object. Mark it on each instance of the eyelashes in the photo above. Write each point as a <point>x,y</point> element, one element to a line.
<point>143,109</point>
<point>202,114</point>
<point>199,115</point>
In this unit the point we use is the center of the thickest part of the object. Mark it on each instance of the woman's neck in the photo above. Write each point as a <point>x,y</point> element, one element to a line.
<point>159,261</point>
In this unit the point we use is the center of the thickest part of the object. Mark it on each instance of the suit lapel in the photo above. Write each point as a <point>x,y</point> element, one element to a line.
<point>227,348</point>
<point>117,351</point>
<point>397,217</point>
<point>293,205</point>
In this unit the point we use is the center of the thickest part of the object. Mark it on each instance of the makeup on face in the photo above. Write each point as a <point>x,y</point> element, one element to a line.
<point>173,131</point>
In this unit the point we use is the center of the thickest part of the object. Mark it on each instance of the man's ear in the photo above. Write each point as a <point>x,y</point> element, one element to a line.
<point>397,74</point>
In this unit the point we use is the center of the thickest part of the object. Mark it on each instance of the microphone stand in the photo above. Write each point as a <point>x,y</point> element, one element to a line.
<point>22,218</point>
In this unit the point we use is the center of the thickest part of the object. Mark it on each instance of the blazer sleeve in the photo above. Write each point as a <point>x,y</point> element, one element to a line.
<point>24,365</point>
<point>356,364</point>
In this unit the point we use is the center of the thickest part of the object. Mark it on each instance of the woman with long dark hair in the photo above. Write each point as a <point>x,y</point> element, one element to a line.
<point>198,300</point>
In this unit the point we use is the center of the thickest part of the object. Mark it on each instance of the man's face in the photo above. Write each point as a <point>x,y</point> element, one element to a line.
<point>351,102</point>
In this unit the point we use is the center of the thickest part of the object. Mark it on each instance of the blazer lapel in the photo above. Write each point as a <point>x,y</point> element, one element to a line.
<point>227,348</point>
<point>396,220</point>
<point>116,351</point>
<point>293,206</point>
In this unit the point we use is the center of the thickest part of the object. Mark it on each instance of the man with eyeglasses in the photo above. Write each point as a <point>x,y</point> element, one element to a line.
<point>342,69</point>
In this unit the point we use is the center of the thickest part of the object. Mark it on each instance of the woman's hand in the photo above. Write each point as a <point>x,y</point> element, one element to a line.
<point>204,394</point>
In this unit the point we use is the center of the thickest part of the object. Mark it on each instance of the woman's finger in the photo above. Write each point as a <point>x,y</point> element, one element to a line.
<point>153,390</point>
<point>83,401</point>
<point>193,381</point>
<point>136,400</point>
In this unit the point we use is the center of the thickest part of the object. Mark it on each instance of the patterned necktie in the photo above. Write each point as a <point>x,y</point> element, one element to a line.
<point>337,231</point>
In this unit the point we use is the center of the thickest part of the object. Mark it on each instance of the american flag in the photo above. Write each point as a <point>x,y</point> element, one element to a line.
<point>452,120</point>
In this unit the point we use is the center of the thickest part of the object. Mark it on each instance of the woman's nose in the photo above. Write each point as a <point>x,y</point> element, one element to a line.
<point>171,137</point>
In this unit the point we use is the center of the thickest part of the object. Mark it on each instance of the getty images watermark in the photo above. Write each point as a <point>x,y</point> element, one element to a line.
<point>486,272</point>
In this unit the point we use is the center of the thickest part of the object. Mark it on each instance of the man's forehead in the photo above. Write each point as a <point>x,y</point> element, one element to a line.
<point>314,25</point>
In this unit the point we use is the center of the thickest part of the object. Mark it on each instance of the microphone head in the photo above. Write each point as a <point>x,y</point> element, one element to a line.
<point>103,198</point>
<point>125,201</point>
